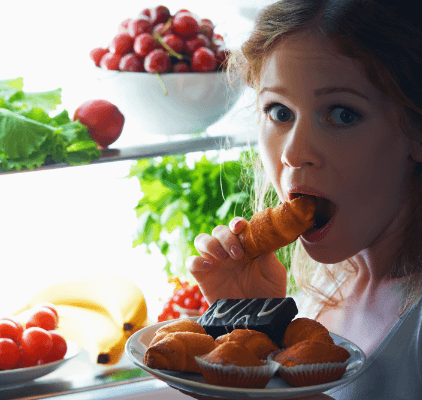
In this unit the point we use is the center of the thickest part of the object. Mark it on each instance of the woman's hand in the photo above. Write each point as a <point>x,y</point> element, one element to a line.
<point>222,273</point>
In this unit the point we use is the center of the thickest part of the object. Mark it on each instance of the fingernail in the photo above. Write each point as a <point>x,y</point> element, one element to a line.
<point>237,251</point>
<point>207,264</point>
<point>222,253</point>
<point>236,224</point>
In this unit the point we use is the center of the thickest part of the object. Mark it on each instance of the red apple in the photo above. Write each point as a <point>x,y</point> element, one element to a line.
<point>103,120</point>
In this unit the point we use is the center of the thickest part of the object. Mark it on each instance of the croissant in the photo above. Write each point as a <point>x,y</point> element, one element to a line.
<point>273,228</point>
<point>177,351</point>
<point>181,325</point>
<point>257,342</point>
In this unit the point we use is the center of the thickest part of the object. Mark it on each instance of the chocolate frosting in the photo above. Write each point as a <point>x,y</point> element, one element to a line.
<point>270,316</point>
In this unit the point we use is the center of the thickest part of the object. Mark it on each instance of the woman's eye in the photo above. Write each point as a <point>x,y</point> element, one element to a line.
<point>345,116</point>
<point>279,113</point>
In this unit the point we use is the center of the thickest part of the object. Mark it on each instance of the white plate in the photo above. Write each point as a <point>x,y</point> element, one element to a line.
<point>20,375</point>
<point>277,387</point>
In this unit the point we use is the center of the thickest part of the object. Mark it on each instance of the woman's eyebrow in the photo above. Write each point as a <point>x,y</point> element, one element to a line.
<point>317,92</point>
<point>333,89</point>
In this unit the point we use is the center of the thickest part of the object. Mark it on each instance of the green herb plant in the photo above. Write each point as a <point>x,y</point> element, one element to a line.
<point>180,201</point>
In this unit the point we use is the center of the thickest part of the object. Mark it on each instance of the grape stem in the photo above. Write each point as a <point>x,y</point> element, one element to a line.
<point>167,47</point>
<point>162,83</point>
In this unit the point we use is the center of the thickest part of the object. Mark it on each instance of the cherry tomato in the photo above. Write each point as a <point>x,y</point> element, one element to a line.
<point>103,119</point>
<point>203,60</point>
<point>42,317</point>
<point>51,307</point>
<point>9,330</point>
<point>9,353</point>
<point>174,41</point>
<point>36,342</point>
<point>18,324</point>
<point>26,361</point>
<point>59,348</point>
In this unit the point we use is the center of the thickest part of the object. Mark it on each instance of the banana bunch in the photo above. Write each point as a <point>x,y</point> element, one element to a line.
<point>97,312</point>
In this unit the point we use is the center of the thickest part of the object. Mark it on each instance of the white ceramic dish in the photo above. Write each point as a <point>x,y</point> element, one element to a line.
<point>277,388</point>
<point>21,375</point>
<point>194,101</point>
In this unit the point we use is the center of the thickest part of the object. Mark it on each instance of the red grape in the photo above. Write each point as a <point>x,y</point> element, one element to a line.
<point>140,25</point>
<point>159,14</point>
<point>97,54</point>
<point>122,43</point>
<point>181,67</point>
<point>185,24</point>
<point>162,29</point>
<point>131,63</point>
<point>144,44</point>
<point>195,43</point>
<point>203,60</point>
<point>206,28</point>
<point>175,42</point>
<point>157,62</point>
<point>111,61</point>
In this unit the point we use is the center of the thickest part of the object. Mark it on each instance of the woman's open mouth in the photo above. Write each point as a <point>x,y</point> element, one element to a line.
<point>324,213</point>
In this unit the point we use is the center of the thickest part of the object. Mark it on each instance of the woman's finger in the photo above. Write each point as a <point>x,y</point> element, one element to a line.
<point>229,242</point>
<point>209,245</point>
<point>237,224</point>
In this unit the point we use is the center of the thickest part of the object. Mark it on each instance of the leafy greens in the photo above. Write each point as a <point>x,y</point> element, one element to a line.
<point>30,137</point>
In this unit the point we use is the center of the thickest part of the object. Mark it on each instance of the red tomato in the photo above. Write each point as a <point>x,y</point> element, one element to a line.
<point>9,330</point>
<point>18,324</point>
<point>42,317</point>
<point>103,119</point>
<point>51,307</point>
<point>36,342</point>
<point>9,353</point>
<point>59,348</point>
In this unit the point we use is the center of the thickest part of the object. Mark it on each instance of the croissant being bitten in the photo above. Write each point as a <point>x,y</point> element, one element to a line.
<point>273,228</point>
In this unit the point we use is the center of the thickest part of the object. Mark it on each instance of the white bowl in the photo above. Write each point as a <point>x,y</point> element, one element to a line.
<point>193,102</point>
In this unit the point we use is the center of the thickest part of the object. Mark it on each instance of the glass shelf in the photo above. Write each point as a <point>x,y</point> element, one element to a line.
<point>154,150</point>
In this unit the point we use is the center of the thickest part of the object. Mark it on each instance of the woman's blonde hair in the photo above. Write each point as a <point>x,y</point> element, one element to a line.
<point>385,38</point>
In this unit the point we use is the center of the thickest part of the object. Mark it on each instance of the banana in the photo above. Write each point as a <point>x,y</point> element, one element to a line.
<point>94,331</point>
<point>115,296</point>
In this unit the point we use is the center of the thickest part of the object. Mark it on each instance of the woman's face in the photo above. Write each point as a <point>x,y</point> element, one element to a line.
<point>326,130</point>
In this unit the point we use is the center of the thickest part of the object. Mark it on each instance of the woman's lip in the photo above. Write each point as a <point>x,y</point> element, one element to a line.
<point>318,235</point>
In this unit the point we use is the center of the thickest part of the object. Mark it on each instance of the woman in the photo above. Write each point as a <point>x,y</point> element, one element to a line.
<point>340,97</point>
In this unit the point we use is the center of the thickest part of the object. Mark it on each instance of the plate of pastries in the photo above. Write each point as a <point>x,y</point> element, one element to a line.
<point>247,348</point>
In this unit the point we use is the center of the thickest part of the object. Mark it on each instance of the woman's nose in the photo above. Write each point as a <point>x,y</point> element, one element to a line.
<point>301,147</point>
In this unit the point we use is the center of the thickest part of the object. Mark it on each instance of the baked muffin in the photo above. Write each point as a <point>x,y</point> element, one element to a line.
<point>259,343</point>
<point>233,364</point>
<point>311,363</point>
<point>301,329</point>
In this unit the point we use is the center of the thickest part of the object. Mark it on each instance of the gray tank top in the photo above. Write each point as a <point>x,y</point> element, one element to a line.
<point>394,369</point>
